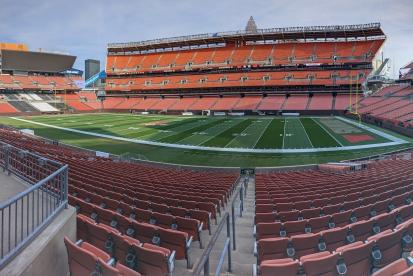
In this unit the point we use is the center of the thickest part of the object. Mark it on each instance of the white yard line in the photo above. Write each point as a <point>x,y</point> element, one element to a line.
<point>332,136</point>
<point>285,123</point>
<point>305,131</point>
<point>219,133</point>
<point>259,138</point>
<point>235,137</point>
<point>241,150</point>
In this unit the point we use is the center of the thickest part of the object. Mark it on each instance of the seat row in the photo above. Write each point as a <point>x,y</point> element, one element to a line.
<point>188,225</point>
<point>129,251</point>
<point>337,213</point>
<point>327,224</point>
<point>366,192</point>
<point>136,209</point>
<point>134,197</point>
<point>356,187</point>
<point>283,256</point>
<point>174,240</point>
<point>86,259</point>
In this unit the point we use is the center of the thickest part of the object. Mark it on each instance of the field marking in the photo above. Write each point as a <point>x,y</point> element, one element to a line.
<point>241,150</point>
<point>230,125</point>
<point>375,131</point>
<point>235,137</point>
<point>285,123</point>
<point>305,131</point>
<point>317,122</point>
<point>262,133</point>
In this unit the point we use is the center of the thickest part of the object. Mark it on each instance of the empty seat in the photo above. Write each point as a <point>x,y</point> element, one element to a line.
<point>272,248</point>
<point>102,236</point>
<point>295,227</point>
<point>396,268</point>
<point>285,267</point>
<point>150,261</point>
<point>384,222</point>
<point>407,235</point>
<point>83,257</point>
<point>356,258</point>
<point>360,231</point>
<point>116,270</point>
<point>321,263</point>
<point>386,247</point>
<point>303,244</point>
<point>268,230</point>
<point>333,238</point>
<point>341,219</point>
<point>265,217</point>
<point>319,223</point>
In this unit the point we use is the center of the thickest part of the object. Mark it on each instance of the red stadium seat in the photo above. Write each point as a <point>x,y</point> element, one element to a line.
<point>279,267</point>
<point>83,257</point>
<point>396,268</point>
<point>356,258</point>
<point>387,247</point>
<point>322,263</point>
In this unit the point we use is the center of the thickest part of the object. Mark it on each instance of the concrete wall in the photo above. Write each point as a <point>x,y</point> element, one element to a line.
<point>46,255</point>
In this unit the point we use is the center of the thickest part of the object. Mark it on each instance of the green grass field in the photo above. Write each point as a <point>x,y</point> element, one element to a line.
<point>282,136</point>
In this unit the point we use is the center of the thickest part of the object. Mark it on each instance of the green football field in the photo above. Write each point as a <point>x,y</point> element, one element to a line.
<point>217,141</point>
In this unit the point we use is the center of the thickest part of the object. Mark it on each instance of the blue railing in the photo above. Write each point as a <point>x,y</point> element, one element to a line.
<point>26,214</point>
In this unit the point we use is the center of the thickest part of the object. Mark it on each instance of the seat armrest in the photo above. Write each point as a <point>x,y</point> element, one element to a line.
<point>111,262</point>
<point>79,242</point>
<point>171,262</point>
<point>409,261</point>
<point>254,270</point>
<point>188,242</point>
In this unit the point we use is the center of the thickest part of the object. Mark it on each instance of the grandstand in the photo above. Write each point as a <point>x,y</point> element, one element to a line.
<point>29,80</point>
<point>152,186</point>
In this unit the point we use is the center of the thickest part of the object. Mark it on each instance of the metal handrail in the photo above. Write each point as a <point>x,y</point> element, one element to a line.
<point>332,28</point>
<point>26,214</point>
<point>203,264</point>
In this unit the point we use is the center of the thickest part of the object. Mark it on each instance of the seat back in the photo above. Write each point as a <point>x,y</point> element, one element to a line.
<point>81,261</point>
<point>356,258</point>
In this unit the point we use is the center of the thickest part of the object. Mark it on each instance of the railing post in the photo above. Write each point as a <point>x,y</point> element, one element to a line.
<point>66,186</point>
<point>206,267</point>
<point>233,225</point>
<point>229,245</point>
<point>241,198</point>
<point>6,159</point>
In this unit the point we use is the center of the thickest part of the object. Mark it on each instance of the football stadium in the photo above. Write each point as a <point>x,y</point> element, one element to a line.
<point>260,151</point>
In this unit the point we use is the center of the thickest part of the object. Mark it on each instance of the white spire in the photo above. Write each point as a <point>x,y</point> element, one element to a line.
<point>251,26</point>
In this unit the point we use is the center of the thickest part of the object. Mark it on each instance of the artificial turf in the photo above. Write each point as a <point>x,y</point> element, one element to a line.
<point>248,132</point>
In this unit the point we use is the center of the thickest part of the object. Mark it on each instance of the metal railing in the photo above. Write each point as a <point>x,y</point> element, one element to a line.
<point>229,221</point>
<point>204,265</point>
<point>331,28</point>
<point>26,214</point>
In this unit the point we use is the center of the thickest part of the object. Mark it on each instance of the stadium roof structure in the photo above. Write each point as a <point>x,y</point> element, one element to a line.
<point>370,30</point>
<point>28,61</point>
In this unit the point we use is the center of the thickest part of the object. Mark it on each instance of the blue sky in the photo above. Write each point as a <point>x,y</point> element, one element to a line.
<point>83,28</point>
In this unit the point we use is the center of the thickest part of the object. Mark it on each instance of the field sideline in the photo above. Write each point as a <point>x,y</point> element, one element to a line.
<point>219,132</point>
<point>251,134</point>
